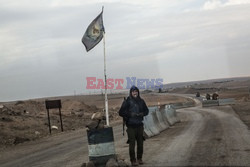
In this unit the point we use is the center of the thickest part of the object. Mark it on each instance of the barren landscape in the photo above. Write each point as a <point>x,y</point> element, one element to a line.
<point>23,121</point>
<point>205,136</point>
<point>67,66</point>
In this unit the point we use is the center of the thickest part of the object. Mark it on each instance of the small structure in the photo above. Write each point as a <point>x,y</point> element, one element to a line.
<point>208,97</point>
<point>215,96</point>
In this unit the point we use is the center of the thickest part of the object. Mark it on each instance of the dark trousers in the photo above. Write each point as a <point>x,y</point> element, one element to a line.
<point>135,135</point>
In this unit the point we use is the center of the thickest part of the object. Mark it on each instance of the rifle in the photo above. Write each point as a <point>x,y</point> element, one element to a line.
<point>124,121</point>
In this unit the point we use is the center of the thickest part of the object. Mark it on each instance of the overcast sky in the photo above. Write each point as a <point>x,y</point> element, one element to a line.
<point>41,53</point>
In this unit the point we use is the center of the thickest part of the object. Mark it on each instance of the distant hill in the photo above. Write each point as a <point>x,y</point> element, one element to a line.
<point>229,82</point>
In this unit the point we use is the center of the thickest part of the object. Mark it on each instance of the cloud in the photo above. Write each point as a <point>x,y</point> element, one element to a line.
<point>214,4</point>
<point>237,2</point>
<point>41,49</point>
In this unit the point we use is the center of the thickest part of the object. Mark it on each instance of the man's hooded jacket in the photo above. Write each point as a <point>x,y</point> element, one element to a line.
<point>133,109</point>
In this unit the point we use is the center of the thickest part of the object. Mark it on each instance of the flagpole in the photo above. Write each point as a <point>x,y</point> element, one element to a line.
<point>105,77</point>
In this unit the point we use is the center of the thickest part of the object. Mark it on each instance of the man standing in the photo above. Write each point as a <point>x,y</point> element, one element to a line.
<point>133,110</point>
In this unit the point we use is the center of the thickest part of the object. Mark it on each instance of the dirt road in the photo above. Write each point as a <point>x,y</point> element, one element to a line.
<point>206,136</point>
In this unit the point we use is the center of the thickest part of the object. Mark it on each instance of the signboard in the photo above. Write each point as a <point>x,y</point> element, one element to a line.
<point>50,104</point>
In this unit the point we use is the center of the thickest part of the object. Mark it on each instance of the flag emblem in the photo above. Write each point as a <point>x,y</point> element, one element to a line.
<point>94,33</point>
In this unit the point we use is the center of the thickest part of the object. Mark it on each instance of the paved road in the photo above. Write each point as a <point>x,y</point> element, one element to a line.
<point>205,136</point>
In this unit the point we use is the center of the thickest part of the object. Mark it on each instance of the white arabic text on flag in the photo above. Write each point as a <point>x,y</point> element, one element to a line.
<point>94,33</point>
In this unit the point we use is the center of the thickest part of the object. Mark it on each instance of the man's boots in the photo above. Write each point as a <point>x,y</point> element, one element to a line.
<point>134,163</point>
<point>140,161</point>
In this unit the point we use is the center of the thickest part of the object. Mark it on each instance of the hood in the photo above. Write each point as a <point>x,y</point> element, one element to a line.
<point>134,88</point>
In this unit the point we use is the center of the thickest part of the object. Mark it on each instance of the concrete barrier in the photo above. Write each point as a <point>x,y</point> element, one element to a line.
<point>161,118</point>
<point>177,105</point>
<point>188,104</point>
<point>147,131</point>
<point>150,125</point>
<point>170,114</point>
<point>147,125</point>
<point>173,112</point>
<point>157,122</point>
<point>208,103</point>
<point>152,109</point>
<point>175,115</point>
<point>182,105</point>
<point>101,145</point>
<point>226,101</point>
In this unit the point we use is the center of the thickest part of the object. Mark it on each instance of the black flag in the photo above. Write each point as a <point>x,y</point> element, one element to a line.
<point>94,33</point>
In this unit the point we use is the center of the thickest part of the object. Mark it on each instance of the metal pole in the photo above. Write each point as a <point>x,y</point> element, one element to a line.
<point>61,119</point>
<point>248,92</point>
<point>49,121</point>
<point>105,77</point>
